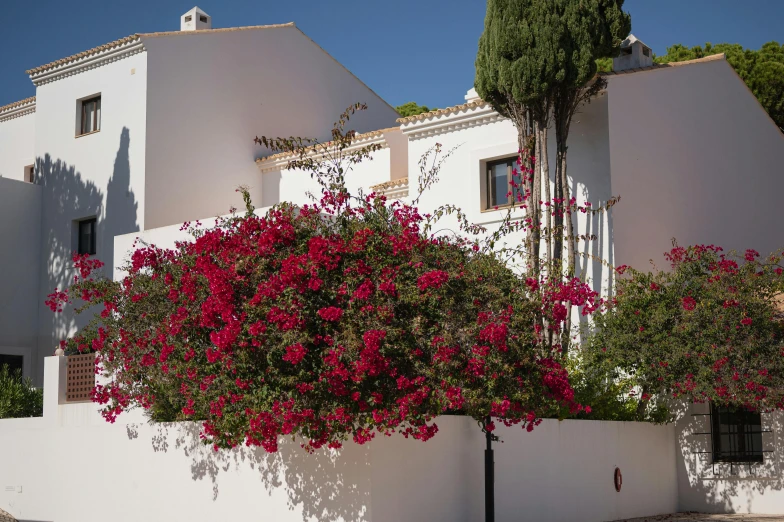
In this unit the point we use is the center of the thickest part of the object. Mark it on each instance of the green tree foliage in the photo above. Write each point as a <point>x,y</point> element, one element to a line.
<point>18,398</point>
<point>412,109</point>
<point>708,329</point>
<point>762,70</point>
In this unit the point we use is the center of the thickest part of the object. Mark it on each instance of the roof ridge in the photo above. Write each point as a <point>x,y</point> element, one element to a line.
<point>667,65</point>
<point>136,36</point>
<point>217,30</point>
<point>16,104</point>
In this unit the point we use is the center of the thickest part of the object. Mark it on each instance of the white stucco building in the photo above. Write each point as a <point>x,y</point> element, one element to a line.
<point>152,130</point>
<point>146,131</point>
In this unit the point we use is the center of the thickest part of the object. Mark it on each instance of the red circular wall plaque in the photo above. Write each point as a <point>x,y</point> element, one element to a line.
<point>618,478</point>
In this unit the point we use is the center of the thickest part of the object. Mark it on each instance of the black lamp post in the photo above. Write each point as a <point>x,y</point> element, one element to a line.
<point>489,476</point>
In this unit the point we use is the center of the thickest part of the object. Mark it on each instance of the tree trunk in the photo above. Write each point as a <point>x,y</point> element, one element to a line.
<point>534,207</point>
<point>544,168</point>
<point>641,406</point>
<point>569,233</point>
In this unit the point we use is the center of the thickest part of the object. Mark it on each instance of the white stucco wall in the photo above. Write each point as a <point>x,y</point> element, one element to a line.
<point>17,146</point>
<point>293,186</point>
<point>100,174</point>
<point>561,472</point>
<point>211,94</point>
<point>462,177</point>
<point>721,488</point>
<point>20,228</point>
<point>694,157</point>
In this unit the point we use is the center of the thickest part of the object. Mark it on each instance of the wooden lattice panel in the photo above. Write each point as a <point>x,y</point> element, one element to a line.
<point>80,379</point>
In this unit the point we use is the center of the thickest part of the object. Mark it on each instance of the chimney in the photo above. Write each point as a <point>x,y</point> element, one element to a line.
<point>634,54</point>
<point>471,95</point>
<point>195,20</point>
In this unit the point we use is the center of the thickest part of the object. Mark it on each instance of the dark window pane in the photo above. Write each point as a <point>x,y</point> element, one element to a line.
<point>91,115</point>
<point>14,362</point>
<point>87,236</point>
<point>498,183</point>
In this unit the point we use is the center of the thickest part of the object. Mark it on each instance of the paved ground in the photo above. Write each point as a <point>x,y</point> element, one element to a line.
<point>701,517</point>
<point>5,517</point>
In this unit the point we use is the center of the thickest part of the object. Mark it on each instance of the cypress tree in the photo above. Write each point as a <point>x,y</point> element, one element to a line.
<point>536,63</point>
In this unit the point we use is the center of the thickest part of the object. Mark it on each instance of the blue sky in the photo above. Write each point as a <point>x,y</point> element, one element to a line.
<point>420,50</point>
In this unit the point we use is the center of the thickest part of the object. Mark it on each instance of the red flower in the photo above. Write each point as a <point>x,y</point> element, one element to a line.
<point>331,313</point>
<point>689,303</point>
<point>433,279</point>
<point>295,353</point>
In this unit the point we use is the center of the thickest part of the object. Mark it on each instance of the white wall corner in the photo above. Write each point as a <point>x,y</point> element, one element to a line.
<point>54,387</point>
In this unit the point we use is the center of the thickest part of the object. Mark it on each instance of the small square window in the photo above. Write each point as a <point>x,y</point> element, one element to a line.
<point>188,18</point>
<point>29,173</point>
<point>736,434</point>
<point>15,363</point>
<point>646,51</point>
<point>90,115</point>
<point>503,184</point>
<point>87,233</point>
<point>203,19</point>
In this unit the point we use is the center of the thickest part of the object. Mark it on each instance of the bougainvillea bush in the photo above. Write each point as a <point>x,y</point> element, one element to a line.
<point>709,328</point>
<point>336,320</point>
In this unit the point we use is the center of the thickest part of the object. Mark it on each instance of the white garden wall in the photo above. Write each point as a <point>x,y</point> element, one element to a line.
<point>72,466</point>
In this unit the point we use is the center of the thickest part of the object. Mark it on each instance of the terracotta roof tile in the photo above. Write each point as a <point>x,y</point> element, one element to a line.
<point>17,104</point>
<point>133,37</point>
<point>400,182</point>
<point>366,135</point>
<point>83,54</point>
<point>439,112</point>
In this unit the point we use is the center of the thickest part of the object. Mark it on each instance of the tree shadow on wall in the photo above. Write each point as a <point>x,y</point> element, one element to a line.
<point>705,486</point>
<point>67,198</point>
<point>325,485</point>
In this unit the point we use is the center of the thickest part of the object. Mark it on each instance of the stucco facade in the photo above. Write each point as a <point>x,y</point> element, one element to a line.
<point>179,111</point>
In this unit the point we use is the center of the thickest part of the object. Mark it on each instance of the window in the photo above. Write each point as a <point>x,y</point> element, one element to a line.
<point>90,115</point>
<point>29,173</point>
<point>646,51</point>
<point>188,18</point>
<point>87,236</point>
<point>14,362</point>
<point>626,51</point>
<point>499,176</point>
<point>736,435</point>
<point>203,19</point>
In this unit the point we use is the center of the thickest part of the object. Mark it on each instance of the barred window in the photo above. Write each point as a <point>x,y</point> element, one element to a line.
<point>736,435</point>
